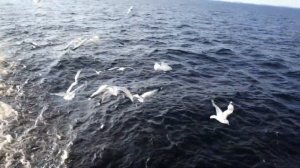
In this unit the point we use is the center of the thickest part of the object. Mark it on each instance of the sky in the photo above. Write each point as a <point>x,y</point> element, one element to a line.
<point>285,3</point>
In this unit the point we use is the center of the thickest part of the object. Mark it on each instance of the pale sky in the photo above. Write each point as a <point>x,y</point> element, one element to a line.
<point>286,3</point>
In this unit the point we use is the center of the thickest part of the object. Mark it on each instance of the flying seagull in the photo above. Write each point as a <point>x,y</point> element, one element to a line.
<point>77,42</point>
<point>130,9</point>
<point>222,116</point>
<point>69,94</point>
<point>112,90</point>
<point>98,72</point>
<point>120,68</point>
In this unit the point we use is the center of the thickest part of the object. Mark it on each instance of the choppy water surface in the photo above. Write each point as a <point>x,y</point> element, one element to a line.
<point>229,52</point>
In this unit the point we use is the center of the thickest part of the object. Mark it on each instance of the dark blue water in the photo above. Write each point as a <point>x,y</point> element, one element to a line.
<point>228,52</point>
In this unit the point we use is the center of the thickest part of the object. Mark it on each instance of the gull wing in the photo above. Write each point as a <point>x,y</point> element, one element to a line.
<point>71,86</point>
<point>67,46</point>
<point>101,89</point>
<point>79,44</point>
<point>98,72</point>
<point>226,113</point>
<point>74,83</point>
<point>77,75</point>
<point>149,93</point>
<point>77,88</point>
<point>127,93</point>
<point>229,111</point>
<point>61,94</point>
<point>218,110</point>
<point>113,68</point>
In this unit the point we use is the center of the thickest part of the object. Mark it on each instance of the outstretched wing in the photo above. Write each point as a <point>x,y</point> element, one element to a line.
<point>149,93</point>
<point>77,75</point>
<point>101,89</point>
<point>61,94</point>
<point>228,111</point>
<point>75,90</point>
<point>218,110</point>
<point>74,83</point>
<point>79,44</point>
<point>67,46</point>
<point>113,68</point>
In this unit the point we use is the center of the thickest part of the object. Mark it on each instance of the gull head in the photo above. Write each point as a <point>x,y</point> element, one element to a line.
<point>230,106</point>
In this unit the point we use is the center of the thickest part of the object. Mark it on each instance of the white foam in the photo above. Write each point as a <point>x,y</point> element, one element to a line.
<point>64,156</point>
<point>6,111</point>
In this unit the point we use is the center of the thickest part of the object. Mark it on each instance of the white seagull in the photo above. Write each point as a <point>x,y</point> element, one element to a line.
<point>76,43</point>
<point>162,67</point>
<point>130,9</point>
<point>120,68</point>
<point>98,72</point>
<point>141,98</point>
<point>222,116</point>
<point>112,90</point>
<point>69,95</point>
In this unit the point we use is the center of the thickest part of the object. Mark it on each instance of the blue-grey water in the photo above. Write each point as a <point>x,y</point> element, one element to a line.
<point>228,52</point>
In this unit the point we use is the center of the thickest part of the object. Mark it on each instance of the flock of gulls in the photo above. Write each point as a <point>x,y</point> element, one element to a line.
<point>106,91</point>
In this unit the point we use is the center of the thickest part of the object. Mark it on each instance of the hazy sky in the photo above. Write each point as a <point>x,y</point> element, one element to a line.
<point>286,3</point>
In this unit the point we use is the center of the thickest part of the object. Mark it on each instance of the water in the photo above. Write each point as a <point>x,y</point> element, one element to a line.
<point>230,52</point>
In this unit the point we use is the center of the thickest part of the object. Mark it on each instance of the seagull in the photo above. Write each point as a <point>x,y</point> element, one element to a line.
<point>222,116</point>
<point>162,67</point>
<point>130,9</point>
<point>141,98</point>
<point>69,95</point>
<point>76,43</point>
<point>112,90</point>
<point>120,68</point>
<point>98,72</point>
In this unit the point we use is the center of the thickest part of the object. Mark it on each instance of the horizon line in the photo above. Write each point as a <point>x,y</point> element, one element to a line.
<point>258,4</point>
